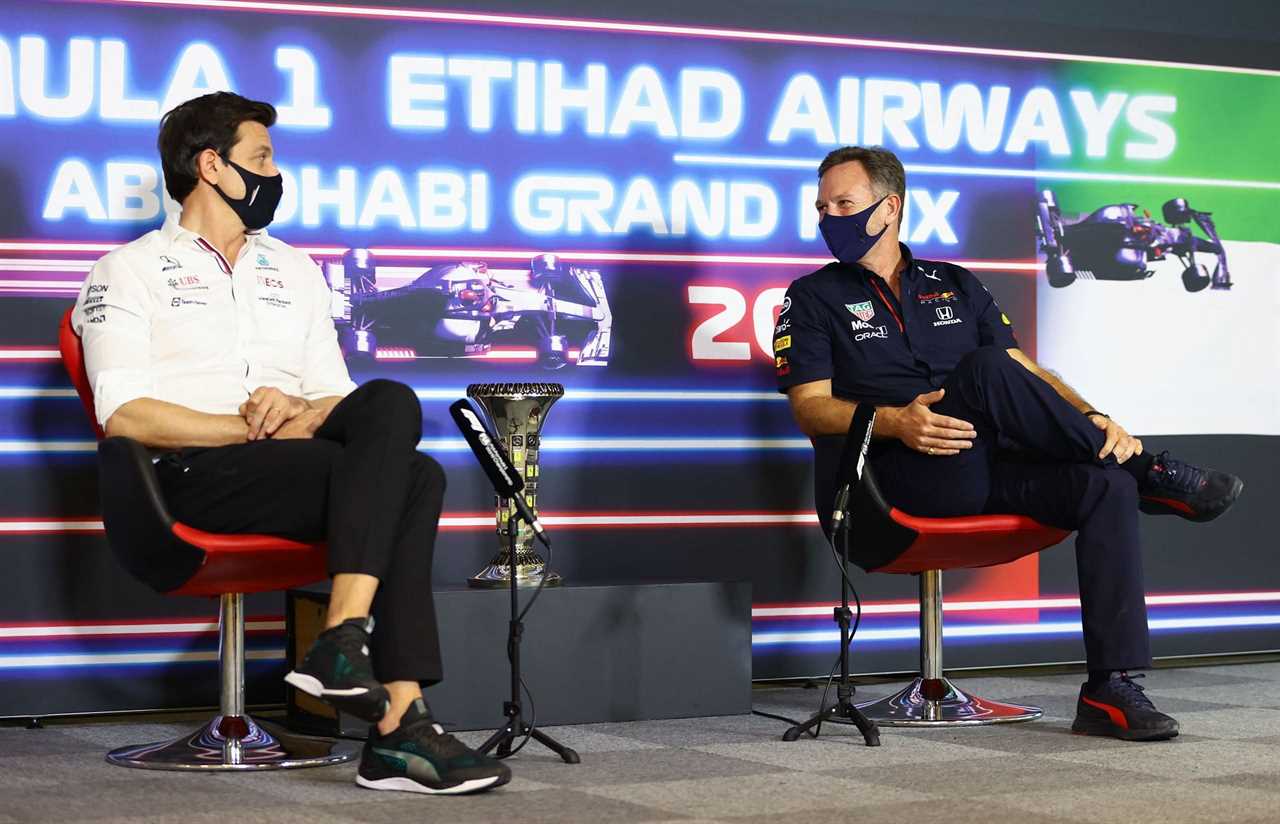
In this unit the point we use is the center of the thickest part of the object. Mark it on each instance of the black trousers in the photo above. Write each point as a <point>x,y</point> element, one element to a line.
<point>361,485</point>
<point>1053,475</point>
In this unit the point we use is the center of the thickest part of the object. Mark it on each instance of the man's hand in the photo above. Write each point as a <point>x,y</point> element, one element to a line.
<point>923,430</point>
<point>267,409</point>
<point>303,425</point>
<point>1119,442</point>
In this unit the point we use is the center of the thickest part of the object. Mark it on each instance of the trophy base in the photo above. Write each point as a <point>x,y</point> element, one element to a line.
<point>498,576</point>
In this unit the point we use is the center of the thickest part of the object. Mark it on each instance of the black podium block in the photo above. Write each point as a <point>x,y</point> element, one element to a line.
<point>590,653</point>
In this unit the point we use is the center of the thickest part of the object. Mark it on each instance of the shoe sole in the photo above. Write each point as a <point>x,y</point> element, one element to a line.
<point>408,785</point>
<point>1112,731</point>
<point>1199,518</point>
<point>363,703</point>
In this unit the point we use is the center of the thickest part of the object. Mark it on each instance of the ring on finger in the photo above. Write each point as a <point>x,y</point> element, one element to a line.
<point>931,450</point>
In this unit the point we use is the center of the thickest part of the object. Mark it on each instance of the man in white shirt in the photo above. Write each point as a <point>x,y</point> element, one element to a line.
<point>211,343</point>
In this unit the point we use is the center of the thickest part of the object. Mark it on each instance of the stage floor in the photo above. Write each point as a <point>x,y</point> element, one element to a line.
<point>1225,767</point>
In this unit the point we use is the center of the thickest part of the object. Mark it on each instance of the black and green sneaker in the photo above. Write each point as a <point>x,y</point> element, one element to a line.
<point>337,670</point>
<point>420,757</point>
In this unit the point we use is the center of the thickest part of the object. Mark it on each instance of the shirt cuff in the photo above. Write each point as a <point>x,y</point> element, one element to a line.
<point>116,387</point>
<point>795,377</point>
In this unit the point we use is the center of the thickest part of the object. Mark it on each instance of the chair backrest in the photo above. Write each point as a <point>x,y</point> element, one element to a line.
<point>72,349</point>
<point>138,525</point>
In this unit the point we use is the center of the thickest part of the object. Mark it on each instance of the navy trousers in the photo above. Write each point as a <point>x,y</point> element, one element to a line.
<point>1053,475</point>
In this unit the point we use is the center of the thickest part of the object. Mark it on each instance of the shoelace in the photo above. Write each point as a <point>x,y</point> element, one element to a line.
<point>1126,683</point>
<point>1177,474</point>
<point>354,644</point>
<point>430,735</point>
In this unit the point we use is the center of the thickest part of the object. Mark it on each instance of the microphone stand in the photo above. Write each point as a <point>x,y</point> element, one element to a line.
<point>844,710</point>
<point>516,726</point>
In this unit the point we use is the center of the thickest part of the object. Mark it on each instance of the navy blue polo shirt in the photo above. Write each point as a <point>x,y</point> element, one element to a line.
<point>843,323</point>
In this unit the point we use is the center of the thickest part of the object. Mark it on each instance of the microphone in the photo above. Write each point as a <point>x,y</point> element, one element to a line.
<point>493,460</point>
<point>857,441</point>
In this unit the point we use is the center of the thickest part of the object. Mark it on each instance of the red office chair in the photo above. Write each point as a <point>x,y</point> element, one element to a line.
<point>176,559</point>
<point>886,539</point>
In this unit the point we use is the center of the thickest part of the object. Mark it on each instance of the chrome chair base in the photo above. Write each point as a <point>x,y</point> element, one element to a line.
<point>910,708</point>
<point>235,743</point>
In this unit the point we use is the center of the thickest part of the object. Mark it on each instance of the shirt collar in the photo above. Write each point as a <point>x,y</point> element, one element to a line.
<point>174,233</point>
<point>908,273</point>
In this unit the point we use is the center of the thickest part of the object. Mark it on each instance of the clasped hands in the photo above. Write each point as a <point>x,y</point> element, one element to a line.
<point>271,413</point>
<point>924,430</point>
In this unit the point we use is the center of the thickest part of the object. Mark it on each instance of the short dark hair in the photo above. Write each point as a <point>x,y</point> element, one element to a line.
<point>883,167</point>
<point>206,122</point>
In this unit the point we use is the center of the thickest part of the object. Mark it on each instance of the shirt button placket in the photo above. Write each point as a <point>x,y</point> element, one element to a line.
<point>242,293</point>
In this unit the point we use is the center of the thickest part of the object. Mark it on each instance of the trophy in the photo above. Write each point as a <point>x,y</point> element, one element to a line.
<point>516,412</point>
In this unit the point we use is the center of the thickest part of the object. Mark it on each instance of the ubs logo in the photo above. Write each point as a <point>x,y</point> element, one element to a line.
<point>186,282</point>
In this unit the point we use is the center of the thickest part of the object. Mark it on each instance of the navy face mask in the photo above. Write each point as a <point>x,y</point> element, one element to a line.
<point>846,235</point>
<point>261,197</point>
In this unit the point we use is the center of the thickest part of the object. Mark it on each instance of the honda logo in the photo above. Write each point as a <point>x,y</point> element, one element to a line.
<point>944,312</point>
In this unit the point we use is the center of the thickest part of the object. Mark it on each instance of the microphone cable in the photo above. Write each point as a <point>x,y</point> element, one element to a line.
<point>532,723</point>
<point>857,621</point>
<point>857,618</point>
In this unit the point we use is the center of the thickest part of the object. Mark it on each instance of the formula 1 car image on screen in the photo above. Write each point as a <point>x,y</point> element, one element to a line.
<point>1117,242</point>
<point>465,309</point>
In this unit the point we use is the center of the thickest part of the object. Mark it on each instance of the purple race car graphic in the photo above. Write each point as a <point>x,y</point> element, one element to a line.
<point>1117,242</point>
<point>466,309</point>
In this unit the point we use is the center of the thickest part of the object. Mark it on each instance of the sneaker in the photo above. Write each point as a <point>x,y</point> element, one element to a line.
<point>1119,708</point>
<point>337,670</point>
<point>1177,488</point>
<point>420,757</point>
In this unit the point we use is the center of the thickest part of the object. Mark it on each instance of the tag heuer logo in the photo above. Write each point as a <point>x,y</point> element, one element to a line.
<point>861,311</point>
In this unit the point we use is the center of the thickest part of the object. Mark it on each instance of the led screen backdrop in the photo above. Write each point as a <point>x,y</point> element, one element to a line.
<point>477,186</point>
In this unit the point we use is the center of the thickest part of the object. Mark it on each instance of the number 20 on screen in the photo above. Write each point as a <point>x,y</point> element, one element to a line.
<point>721,336</point>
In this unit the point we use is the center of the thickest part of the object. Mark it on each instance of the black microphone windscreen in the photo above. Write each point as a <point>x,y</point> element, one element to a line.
<point>856,443</point>
<point>488,450</point>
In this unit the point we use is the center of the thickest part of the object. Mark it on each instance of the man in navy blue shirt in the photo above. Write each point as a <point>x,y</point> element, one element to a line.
<point>926,344</point>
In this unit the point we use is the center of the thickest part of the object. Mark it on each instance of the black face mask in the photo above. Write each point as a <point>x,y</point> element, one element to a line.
<point>261,197</point>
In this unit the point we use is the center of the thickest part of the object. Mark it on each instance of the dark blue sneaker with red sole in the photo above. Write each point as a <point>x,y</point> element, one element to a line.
<point>1175,487</point>
<point>1119,708</point>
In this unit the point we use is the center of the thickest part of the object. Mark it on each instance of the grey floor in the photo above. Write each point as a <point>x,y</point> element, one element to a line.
<point>1225,767</point>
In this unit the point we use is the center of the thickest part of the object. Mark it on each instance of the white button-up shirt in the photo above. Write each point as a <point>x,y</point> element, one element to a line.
<point>167,317</point>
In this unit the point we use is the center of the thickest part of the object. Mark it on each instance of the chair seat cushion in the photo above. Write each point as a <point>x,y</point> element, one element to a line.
<point>250,563</point>
<point>971,541</point>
